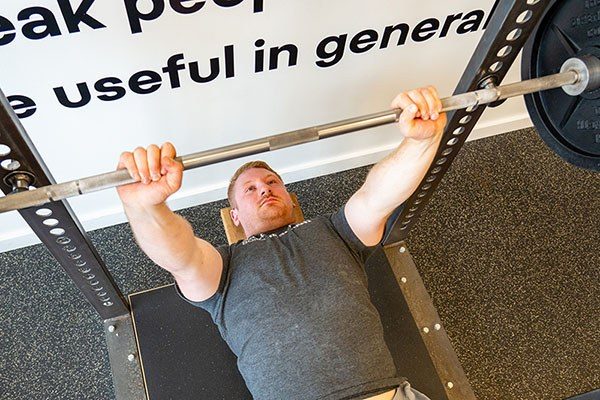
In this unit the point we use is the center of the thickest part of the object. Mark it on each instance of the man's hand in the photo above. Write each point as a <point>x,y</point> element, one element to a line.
<point>158,175</point>
<point>420,118</point>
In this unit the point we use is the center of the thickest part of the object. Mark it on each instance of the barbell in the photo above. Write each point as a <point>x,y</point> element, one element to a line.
<point>578,76</point>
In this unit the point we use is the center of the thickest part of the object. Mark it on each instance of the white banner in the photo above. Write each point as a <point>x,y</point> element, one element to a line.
<point>90,79</point>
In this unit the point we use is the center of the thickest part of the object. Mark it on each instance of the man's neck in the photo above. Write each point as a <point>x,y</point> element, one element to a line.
<point>270,228</point>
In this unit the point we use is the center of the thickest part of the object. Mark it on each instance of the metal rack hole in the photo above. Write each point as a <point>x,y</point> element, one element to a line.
<point>524,17</point>
<point>431,178</point>
<point>10,164</point>
<point>57,231</point>
<point>447,152</point>
<point>465,120</point>
<point>452,141</point>
<point>50,222</point>
<point>441,161</point>
<point>44,212</point>
<point>436,170</point>
<point>503,52</point>
<point>63,240</point>
<point>514,34</point>
<point>459,131</point>
<point>4,150</point>
<point>495,67</point>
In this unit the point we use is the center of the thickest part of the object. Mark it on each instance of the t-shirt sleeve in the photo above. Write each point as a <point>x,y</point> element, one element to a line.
<point>212,302</point>
<point>340,224</point>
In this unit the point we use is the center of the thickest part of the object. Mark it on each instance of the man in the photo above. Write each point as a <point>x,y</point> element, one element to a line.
<point>290,300</point>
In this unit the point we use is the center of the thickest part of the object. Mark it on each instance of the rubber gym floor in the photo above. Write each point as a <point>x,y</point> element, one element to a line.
<point>509,249</point>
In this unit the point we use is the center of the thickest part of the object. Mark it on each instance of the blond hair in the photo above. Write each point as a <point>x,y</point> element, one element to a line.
<point>241,170</point>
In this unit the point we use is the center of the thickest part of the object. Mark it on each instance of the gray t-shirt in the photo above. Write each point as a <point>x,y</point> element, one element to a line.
<point>293,306</point>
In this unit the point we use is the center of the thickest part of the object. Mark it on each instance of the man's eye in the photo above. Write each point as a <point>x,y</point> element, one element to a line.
<point>249,189</point>
<point>272,182</point>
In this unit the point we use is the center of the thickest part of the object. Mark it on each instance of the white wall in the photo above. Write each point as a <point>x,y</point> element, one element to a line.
<point>78,142</point>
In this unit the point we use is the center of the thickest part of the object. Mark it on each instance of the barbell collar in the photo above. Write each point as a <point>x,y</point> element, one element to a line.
<point>588,69</point>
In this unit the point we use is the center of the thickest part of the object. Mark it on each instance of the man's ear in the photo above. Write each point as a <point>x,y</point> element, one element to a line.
<point>233,213</point>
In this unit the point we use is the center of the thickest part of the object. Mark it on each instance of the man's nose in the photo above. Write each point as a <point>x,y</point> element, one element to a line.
<point>265,190</point>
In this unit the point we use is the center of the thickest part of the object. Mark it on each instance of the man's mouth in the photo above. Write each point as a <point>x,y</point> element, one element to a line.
<point>268,200</point>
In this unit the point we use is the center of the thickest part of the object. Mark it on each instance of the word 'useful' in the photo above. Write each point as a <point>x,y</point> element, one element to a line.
<point>145,82</point>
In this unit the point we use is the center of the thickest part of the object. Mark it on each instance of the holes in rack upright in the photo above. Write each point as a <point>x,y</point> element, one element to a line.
<point>63,240</point>
<point>447,152</point>
<point>495,67</point>
<point>431,178</point>
<point>57,231</point>
<point>459,131</point>
<point>514,34</point>
<point>4,150</point>
<point>436,170</point>
<point>44,212</point>
<point>50,222</point>
<point>471,109</point>
<point>465,120</point>
<point>452,141</point>
<point>524,17</point>
<point>503,52</point>
<point>532,2</point>
<point>10,165</point>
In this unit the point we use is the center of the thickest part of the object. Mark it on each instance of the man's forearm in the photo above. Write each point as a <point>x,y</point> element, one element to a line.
<point>167,238</point>
<point>394,179</point>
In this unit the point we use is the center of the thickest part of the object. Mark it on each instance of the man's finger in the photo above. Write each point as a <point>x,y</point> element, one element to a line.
<point>438,101</point>
<point>173,172</point>
<point>408,114</point>
<point>166,150</point>
<point>402,101</point>
<point>417,97</point>
<point>141,161</point>
<point>153,155</point>
<point>126,161</point>
<point>431,103</point>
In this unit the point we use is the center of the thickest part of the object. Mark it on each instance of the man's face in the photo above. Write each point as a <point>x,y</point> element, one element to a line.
<point>262,202</point>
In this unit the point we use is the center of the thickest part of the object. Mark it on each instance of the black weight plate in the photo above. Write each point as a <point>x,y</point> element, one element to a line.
<point>570,125</point>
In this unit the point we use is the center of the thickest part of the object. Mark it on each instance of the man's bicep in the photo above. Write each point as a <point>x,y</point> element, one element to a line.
<point>201,280</point>
<point>365,221</point>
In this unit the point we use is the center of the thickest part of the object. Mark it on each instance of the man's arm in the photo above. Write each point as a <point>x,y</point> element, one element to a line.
<point>393,180</point>
<point>164,236</point>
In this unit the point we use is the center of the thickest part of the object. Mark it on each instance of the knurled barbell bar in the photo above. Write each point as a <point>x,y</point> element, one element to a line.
<point>578,76</point>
